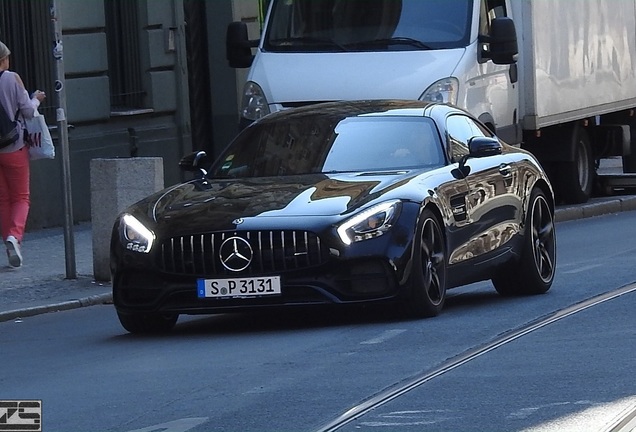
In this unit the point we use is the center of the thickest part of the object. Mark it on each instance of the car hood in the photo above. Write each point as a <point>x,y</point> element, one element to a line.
<point>215,205</point>
<point>313,77</point>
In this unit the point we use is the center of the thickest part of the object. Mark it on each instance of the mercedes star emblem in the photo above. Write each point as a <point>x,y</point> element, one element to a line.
<point>236,254</point>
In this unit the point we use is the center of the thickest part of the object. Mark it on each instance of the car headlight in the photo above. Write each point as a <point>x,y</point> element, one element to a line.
<point>134,235</point>
<point>370,223</point>
<point>444,90</point>
<point>254,104</point>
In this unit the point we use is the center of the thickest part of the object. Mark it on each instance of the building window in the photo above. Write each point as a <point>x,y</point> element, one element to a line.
<point>124,62</point>
<point>25,29</point>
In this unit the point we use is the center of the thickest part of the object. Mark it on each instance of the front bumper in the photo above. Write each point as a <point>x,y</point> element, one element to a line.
<point>363,280</point>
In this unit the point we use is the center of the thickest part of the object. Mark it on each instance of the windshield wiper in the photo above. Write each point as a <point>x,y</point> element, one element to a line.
<point>306,40</point>
<point>394,41</point>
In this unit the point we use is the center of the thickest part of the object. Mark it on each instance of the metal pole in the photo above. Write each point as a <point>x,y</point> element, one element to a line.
<point>62,131</point>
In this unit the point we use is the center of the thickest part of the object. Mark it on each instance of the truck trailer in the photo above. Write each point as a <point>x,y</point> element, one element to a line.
<point>557,78</point>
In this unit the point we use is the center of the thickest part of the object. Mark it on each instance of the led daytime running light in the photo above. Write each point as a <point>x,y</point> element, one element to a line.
<point>388,207</point>
<point>136,236</point>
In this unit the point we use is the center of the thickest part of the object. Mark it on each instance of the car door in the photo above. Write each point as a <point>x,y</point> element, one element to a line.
<point>493,205</point>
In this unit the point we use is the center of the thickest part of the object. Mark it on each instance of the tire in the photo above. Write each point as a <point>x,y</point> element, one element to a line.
<point>147,323</point>
<point>629,161</point>
<point>428,278</point>
<point>533,273</point>
<point>576,178</point>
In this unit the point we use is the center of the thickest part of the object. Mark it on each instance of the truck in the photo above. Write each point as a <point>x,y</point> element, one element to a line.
<point>557,78</point>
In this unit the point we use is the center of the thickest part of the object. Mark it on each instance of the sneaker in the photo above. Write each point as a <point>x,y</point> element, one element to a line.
<point>13,251</point>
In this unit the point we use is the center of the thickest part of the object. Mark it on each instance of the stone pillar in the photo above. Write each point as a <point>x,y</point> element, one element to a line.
<point>115,185</point>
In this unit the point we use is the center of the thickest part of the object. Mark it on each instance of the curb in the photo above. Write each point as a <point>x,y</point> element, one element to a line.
<point>591,209</point>
<point>56,307</point>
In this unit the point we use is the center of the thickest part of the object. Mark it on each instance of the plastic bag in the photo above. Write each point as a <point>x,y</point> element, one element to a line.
<point>38,138</point>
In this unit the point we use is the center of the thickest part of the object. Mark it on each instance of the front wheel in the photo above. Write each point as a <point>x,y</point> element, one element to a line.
<point>147,323</point>
<point>534,272</point>
<point>428,274</point>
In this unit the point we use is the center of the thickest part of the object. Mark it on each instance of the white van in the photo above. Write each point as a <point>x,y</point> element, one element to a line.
<point>464,52</point>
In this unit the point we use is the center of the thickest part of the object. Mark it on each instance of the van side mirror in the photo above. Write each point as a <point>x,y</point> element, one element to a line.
<point>502,40</point>
<point>238,47</point>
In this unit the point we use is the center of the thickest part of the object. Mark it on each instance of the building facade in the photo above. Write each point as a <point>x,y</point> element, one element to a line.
<point>142,78</point>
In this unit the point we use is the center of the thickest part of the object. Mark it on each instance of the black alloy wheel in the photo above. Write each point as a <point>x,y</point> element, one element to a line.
<point>147,323</point>
<point>428,277</point>
<point>534,272</point>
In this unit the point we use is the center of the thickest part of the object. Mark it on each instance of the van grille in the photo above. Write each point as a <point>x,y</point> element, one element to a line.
<point>274,251</point>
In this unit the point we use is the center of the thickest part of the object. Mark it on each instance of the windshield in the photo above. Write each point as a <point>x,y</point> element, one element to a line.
<point>329,144</point>
<point>367,25</point>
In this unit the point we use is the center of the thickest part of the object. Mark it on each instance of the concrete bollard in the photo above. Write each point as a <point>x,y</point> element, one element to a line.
<point>115,185</point>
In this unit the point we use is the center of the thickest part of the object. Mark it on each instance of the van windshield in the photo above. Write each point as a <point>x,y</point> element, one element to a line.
<point>367,25</point>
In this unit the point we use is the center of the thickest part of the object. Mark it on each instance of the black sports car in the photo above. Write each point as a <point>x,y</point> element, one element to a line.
<point>338,203</point>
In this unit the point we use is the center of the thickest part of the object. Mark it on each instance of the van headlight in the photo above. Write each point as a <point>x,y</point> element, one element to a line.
<point>254,104</point>
<point>370,223</point>
<point>134,235</point>
<point>444,91</point>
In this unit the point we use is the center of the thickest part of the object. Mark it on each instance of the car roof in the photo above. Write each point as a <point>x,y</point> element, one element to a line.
<point>367,108</point>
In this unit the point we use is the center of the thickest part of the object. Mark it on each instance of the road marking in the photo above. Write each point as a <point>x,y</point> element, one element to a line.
<point>625,421</point>
<point>582,269</point>
<point>615,416</point>
<point>398,390</point>
<point>181,425</point>
<point>411,418</point>
<point>524,413</point>
<point>383,337</point>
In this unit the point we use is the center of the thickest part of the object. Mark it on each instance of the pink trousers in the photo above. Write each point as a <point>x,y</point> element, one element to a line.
<point>14,193</point>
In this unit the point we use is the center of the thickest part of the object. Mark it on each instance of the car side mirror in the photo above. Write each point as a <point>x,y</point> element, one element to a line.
<point>195,162</point>
<point>502,41</point>
<point>479,147</point>
<point>238,47</point>
<point>484,146</point>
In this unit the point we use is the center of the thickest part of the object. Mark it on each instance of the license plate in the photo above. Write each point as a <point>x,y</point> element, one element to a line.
<point>238,287</point>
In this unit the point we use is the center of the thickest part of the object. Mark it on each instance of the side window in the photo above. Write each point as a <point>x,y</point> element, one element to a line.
<point>489,10</point>
<point>124,60</point>
<point>460,130</point>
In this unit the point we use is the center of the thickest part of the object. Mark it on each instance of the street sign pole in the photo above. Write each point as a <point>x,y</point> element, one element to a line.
<point>62,132</point>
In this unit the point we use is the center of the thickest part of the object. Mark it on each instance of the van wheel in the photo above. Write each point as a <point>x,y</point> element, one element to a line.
<point>533,273</point>
<point>576,177</point>
<point>147,323</point>
<point>629,161</point>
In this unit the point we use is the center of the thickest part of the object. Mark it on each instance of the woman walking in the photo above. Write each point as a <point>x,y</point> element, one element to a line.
<point>14,159</point>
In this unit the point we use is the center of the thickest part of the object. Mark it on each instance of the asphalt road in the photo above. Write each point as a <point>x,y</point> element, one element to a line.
<point>301,370</point>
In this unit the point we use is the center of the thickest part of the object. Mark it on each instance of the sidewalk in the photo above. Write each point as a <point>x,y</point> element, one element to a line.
<point>41,285</point>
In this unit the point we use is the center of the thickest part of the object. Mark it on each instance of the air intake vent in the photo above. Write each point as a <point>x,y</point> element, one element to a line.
<point>274,252</point>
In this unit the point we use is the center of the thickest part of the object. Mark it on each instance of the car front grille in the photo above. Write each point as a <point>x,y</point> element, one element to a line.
<point>273,251</point>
